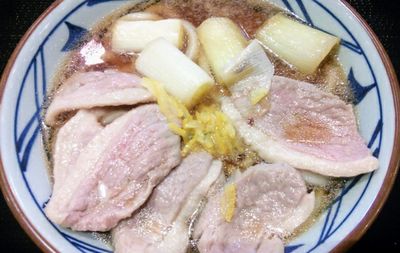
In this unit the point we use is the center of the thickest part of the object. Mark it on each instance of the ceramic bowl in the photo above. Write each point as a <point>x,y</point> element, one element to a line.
<point>27,78</point>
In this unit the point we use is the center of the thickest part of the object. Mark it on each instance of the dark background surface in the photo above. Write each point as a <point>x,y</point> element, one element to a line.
<point>382,15</point>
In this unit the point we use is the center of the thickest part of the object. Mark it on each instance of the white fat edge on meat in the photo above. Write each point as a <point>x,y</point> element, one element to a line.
<point>301,213</point>
<point>314,178</point>
<point>273,151</point>
<point>173,241</point>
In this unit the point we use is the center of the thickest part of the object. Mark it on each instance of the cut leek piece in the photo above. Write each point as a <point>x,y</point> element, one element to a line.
<point>193,44</point>
<point>253,73</point>
<point>137,16</point>
<point>132,36</point>
<point>222,41</point>
<point>180,76</point>
<point>299,45</point>
<point>203,62</point>
<point>252,66</point>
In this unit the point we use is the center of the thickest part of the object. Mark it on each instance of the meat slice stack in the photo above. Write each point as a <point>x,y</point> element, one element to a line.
<point>162,224</point>
<point>305,127</point>
<point>95,89</point>
<point>115,172</point>
<point>271,201</point>
<point>105,172</point>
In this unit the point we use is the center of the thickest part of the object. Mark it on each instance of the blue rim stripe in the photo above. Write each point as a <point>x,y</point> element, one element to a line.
<point>44,85</point>
<point>35,82</point>
<point>334,217</point>
<point>25,131</point>
<point>78,242</point>
<point>351,46</point>
<point>288,6</point>
<point>358,201</point>
<point>27,152</point>
<point>325,225</point>
<point>305,12</point>
<point>378,130</point>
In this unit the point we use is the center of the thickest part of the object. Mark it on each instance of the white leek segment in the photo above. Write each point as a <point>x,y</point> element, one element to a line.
<point>180,76</point>
<point>140,16</point>
<point>222,40</point>
<point>252,67</point>
<point>133,36</point>
<point>193,44</point>
<point>299,45</point>
<point>203,62</point>
<point>252,72</point>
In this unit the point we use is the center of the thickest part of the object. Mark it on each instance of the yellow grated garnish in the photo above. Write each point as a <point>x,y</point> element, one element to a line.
<point>173,109</point>
<point>207,129</point>
<point>176,129</point>
<point>257,95</point>
<point>228,202</point>
<point>211,130</point>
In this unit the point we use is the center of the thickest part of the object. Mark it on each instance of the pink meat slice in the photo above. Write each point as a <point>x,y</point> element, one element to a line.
<point>162,224</point>
<point>116,172</point>
<point>71,139</point>
<point>307,128</point>
<point>271,202</point>
<point>95,89</point>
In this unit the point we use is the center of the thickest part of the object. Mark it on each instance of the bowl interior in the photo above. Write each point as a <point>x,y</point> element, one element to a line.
<point>30,78</point>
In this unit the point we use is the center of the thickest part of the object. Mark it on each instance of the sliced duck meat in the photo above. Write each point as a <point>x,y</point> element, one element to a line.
<point>71,139</point>
<point>162,225</point>
<point>305,127</point>
<point>116,172</point>
<point>95,89</point>
<point>271,201</point>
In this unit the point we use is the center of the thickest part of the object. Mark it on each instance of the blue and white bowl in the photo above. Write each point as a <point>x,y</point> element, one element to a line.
<point>24,176</point>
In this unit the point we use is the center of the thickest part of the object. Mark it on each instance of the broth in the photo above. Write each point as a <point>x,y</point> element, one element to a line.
<point>249,15</point>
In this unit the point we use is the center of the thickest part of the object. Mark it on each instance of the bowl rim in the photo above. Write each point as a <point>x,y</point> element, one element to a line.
<point>344,245</point>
